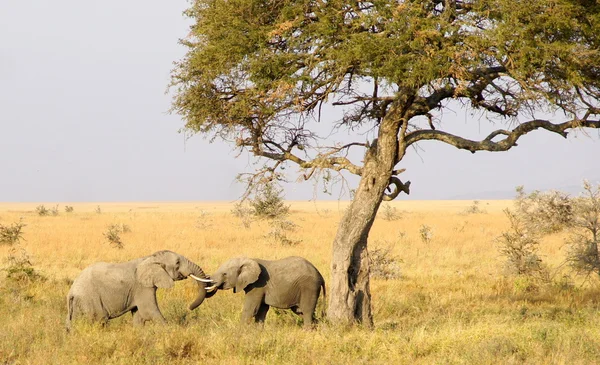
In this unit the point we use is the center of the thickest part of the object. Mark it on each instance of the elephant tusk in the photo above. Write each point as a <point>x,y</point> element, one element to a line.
<point>200,279</point>
<point>211,288</point>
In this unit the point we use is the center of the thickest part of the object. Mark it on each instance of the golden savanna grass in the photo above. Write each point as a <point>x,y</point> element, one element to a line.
<point>452,303</point>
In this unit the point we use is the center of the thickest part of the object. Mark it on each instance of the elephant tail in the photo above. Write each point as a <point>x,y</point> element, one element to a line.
<point>70,299</point>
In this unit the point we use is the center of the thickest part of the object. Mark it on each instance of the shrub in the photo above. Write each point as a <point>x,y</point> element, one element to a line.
<point>41,210</point>
<point>268,203</point>
<point>242,211</point>
<point>474,208</point>
<point>583,254</point>
<point>545,212</point>
<point>19,267</point>
<point>520,248</point>
<point>13,234</point>
<point>69,209</point>
<point>54,210</point>
<point>279,232</point>
<point>113,234</point>
<point>98,210</point>
<point>426,233</point>
<point>203,221</point>
<point>390,213</point>
<point>383,264</point>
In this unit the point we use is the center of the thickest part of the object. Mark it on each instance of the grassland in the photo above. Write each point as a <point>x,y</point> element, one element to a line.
<point>452,304</point>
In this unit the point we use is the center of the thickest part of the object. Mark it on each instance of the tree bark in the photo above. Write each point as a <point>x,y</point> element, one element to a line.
<point>350,295</point>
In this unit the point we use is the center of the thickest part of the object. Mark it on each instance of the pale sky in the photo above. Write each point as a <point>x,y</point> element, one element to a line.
<point>84,117</point>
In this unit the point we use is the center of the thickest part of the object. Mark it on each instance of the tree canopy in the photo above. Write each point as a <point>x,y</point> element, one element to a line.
<point>256,69</point>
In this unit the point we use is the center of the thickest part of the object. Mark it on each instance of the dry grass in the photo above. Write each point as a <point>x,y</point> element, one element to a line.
<point>451,305</point>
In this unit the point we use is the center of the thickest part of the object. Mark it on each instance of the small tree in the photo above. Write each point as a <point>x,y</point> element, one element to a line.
<point>269,203</point>
<point>583,255</point>
<point>520,247</point>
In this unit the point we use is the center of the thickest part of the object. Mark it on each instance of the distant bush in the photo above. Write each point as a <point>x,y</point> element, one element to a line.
<point>13,234</point>
<point>98,210</point>
<point>520,248</point>
<point>383,264</point>
<point>389,213</point>
<point>54,210</point>
<point>541,213</point>
<point>113,234</point>
<point>426,233</point>
<point>279,232</point>
<point>69,209</point>
<point>269,203</point>
<point>19,267</point>
<point>41,210</point>
<point>545,212</point>
<point>242,211</point>
<point>474,208</point>
<point>203,221</point>
<point>583,254</point>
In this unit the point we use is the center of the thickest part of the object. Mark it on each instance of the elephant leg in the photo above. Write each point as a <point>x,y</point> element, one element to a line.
<point>262,313</point>
<point>252,304</point>
<point>137,318</point>
<point>147,310</point>
<point>308,304</point>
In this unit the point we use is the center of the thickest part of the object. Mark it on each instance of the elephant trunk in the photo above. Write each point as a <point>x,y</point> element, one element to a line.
<point>195,270</point>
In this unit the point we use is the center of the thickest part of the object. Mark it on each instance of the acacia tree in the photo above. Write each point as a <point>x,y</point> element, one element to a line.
<point>258,72</point>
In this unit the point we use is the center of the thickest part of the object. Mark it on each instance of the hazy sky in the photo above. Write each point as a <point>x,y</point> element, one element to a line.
<point>83,117</point>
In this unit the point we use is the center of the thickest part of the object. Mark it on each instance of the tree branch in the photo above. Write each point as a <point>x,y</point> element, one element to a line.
<point>505,144</point>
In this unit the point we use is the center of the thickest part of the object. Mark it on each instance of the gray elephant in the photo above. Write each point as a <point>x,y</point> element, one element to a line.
<point>292,283</point>
<point>108,290</point>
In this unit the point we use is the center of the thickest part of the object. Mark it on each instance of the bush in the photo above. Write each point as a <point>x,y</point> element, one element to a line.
<point>113,234</point>
<point>279,232</point>
<point>203,221</point>
<point>243,212</point>
<point>390,213</point>
<point>583,254</point>
<point>13,234</point>
<point>54,210</point>
<point>268,203</point>
<point>383,264</point>
<point>41,210</point>
<point>545,212</point>
<point>20,268</point>
<point>426,233</point>
<point>474,208</point>
<point>520,248</point>
<point>69,209</point>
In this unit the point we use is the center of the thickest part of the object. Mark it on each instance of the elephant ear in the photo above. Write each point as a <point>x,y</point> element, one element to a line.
<point>248,273</point>
<point>151,274</point>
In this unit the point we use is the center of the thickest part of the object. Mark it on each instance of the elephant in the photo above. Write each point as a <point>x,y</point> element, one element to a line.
<point>105,291</point>
<point>290,283</point>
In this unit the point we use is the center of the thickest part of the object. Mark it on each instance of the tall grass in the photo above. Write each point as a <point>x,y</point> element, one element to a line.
<point>450,305</point>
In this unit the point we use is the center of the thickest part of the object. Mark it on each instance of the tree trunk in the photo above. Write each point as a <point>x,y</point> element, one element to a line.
<point>350,295</point>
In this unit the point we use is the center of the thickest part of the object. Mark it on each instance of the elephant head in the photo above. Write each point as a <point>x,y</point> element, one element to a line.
<point>236,273</point>
<point>162,268</point>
